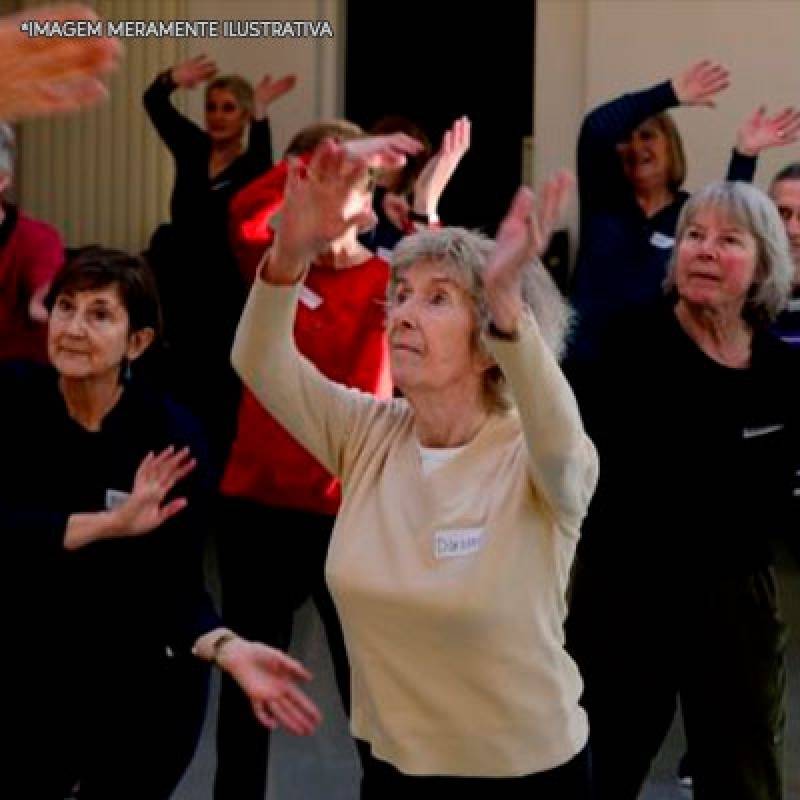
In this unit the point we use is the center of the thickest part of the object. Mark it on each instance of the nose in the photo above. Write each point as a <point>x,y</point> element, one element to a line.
<point>76,325</point>
<point>403,316</point>
<point>793,225</point>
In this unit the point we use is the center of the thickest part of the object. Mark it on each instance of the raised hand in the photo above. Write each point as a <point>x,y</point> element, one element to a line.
<point>700,83</point>
<point>52,74</point>
<point>383,152</point>
<point>268,677</point>
<point>522,237</point>
<point>193,71</point>
<point>268,91</point>
<point>144,509</point>
<point>436,174</point>
<point>759,131</point>
<point>326,197</point>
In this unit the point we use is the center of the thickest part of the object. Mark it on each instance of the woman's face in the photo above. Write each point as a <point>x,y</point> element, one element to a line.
<point>225,118</point>
<point>716,262</point>
<point>431,325</point>
<point>645,155</point>
<point>88,334</point>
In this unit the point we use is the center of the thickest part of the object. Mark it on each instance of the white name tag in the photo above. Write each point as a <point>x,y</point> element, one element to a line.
<point>115,498</point>
<point>310,299</point>
<point>385,253</point>
<point>454,543</point>
<point>661,240</point>
<point>794,304</point>
<point>750,433</point>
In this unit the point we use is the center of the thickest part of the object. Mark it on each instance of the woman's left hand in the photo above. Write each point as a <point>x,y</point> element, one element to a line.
<point>522,237</point>
<point>760,132</point>
<point>268,91</point>
<point>268,677</point>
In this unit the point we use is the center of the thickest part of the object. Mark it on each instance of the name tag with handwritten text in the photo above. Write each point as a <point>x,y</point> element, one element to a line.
<point>457,542</point>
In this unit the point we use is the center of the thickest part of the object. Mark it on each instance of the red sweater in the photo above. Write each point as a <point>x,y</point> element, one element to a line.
<point>345,337</point>
<point>31,252</point>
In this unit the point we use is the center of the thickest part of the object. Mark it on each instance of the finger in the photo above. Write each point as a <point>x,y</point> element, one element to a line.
<point>172,508</point>
<point>287,665</point>
<point>290,716</point>
<point>264,716</point>
<point>163,456</point>
<point>284,84</point>
<point>304,705</point>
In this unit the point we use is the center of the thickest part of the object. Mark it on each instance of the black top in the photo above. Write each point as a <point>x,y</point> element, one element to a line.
<point>698,462</point>
<point>623,253</point>
<point>138,595</point>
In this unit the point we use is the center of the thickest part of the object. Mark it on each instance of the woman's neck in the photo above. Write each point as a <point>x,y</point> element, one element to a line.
<point>722,335</point>
<point>89,400</point>
<point>223,153</point>
<point>442,419</point>
<point>653,198</point>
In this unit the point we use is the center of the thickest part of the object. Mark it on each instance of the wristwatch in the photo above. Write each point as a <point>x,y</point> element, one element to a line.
<point>424,219</point>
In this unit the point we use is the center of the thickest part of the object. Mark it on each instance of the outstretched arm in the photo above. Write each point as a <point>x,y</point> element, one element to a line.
<point>561,460</point>
<point>52,74</point>
<point>758,132</point>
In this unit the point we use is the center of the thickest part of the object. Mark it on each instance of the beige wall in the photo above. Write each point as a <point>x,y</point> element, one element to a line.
<point>587,51</point>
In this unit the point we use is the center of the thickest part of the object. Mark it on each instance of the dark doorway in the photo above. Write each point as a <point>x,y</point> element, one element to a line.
<point>434,60</point>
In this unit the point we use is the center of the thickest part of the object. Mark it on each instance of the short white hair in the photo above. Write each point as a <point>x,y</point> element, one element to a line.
<point>465,254</point>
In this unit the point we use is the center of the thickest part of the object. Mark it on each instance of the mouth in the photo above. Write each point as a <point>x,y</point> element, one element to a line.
<point>406,348</point>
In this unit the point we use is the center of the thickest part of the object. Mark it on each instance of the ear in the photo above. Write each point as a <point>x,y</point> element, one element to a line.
<point>5,181</point>
<point>138,342</point>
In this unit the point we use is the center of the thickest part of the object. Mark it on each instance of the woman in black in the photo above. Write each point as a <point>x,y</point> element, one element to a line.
<point>103,508</point>
<point>200,284</point>
<point>694,407</point>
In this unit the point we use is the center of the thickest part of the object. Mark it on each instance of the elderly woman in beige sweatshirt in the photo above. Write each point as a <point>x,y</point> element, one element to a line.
<point>462,501</point>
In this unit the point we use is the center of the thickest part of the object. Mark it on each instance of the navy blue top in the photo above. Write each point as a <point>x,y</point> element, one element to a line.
<point>622,254</point>
<point>138,595</point>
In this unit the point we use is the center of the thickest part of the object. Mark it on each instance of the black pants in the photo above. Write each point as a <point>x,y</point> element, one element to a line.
<point>382,781</point>
<point>122,731</point>
<point>270,560</point>
<point>717,648</point>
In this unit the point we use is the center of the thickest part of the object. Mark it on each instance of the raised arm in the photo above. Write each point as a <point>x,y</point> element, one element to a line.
<point>174,128</point>
<point>758,132</point>
<point>322,200</point>
<point>600,175</point>
<point>561,459</point>
<point>52,74</point>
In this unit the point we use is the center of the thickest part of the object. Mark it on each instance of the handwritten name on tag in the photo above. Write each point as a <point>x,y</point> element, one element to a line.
<point>661,240</point>
<point>455,543</point>
<point>310,299</point>
<point>115,498</point>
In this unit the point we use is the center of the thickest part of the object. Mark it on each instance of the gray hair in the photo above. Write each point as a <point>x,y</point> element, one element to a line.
<point>750,208</point>
<point>465,254</point>
<point>7,148</point>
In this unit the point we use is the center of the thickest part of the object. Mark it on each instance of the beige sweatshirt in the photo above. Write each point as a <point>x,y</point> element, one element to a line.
<point>450,587</point>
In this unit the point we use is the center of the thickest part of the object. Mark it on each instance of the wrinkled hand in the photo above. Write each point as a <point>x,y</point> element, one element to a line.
<point>522,237</point>
<point>700,83</point>
<point>759,131</point>
<point>193,71</point>
<point>144,510</point>
<point>436,174</point>
<point>325,198</point>
<point>267,91</point>
<point>52,74</point>
<point>268,677</point>
<point>383,152</point>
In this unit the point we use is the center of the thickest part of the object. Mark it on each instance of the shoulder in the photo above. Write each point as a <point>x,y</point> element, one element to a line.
<point>29,227</point>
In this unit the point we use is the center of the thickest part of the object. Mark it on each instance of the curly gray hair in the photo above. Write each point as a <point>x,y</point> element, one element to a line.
<point>750,208</point>
<point>465,254</point>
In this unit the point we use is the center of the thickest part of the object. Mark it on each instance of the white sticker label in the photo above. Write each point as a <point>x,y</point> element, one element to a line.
<point>661,240</point>
<point>310,299</point>
<point>385,253</point>
<point>454,543</point>
<point>115,498</point>
<point>794,304</point>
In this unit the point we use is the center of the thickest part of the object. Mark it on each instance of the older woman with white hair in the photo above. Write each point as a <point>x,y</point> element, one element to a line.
<point>695,411</point>
<point>462,500</point>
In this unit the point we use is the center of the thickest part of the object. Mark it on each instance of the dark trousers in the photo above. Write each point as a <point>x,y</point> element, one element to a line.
<point>121,731</point>
<point>382,781</point>
<point>270,561</point>
<point>718,649</point>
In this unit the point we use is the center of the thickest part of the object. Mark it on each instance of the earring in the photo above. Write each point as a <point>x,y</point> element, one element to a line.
<point>127,372</point>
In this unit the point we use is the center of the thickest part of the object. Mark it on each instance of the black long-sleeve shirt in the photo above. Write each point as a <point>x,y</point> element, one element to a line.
<point>623,253</point>
<point>135,595</point>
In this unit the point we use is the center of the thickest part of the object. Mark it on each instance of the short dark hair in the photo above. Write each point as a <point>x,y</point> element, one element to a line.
<point>98,267</point>
<point>307,139</point>
<point>791,172</point>
<point>394,123</point>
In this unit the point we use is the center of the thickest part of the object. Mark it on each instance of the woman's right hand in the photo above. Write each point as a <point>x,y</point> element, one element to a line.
<point>195,70</point>
<point>144,509</point>
<point>700,83</point>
